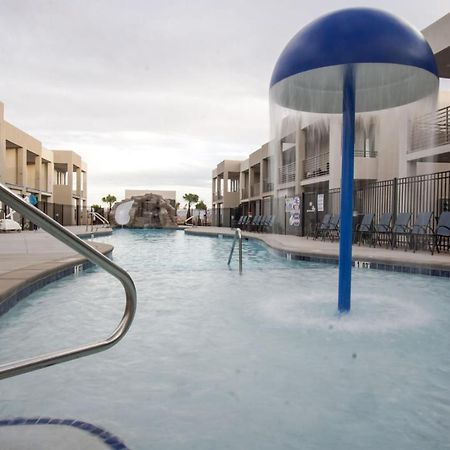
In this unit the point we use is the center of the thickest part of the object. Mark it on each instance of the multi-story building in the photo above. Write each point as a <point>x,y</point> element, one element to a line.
<point>56,178</point>
<point>305,160</point>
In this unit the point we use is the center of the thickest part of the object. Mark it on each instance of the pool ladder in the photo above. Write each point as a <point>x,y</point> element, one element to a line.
<point>71,240</point>
<point>237,237</point>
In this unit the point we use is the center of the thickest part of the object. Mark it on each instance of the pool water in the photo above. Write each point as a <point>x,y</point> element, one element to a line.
<point>215,360</point>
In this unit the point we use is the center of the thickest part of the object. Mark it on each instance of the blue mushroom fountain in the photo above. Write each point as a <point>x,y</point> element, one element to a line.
<point>348,61</point>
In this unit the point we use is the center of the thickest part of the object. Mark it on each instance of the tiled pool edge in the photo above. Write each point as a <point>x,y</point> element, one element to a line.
<point>27,286</point>
<point>106,437</point>
<point>370,263</point>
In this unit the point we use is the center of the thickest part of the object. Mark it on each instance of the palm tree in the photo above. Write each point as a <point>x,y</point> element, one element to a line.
<point>201,206</point>
<point>110,199</point>
<point>190,198</point>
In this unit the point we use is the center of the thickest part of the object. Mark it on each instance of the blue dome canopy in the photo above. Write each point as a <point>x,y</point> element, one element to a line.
<point>392,61</point>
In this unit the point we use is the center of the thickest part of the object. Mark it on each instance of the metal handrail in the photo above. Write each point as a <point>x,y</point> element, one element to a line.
<point>237,235</point>
<point>93,255</point>
<point>95,215</point>
<point>102,219</point>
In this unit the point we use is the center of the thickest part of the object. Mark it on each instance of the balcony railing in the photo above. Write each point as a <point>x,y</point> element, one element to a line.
<point>267,186</point>
<point>244,193</point>
<point>431,130</point>
<point>365,153</point>
<point>317,166</point>
<point>287,173</point>
<point>217,197</point>
<point>255,190</point>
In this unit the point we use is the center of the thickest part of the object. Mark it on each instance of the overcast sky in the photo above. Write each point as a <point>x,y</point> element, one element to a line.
<point>154,93</point>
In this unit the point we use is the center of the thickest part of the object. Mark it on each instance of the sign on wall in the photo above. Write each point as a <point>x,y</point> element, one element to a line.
<point>320,198</point>
<point>293,208</point>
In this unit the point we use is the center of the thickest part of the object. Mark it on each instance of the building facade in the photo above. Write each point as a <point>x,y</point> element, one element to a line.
<point>305,160</point>
<point>56,178</point>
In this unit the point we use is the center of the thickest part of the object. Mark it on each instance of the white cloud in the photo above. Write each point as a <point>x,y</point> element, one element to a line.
<point>153,91</point>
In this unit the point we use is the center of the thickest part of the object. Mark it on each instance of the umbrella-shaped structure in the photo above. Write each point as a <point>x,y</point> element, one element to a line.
<point>348,61</point>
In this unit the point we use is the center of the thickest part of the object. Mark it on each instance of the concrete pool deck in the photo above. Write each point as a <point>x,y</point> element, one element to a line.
<point>302,248</point>
<point>31,259</point>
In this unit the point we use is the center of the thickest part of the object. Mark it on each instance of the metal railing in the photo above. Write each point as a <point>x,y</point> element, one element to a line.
<point>317,165</point>
<point>189,219</point>
<point>287,173</point>
<point>431,130</point>
<point>361,153</point>
<point>97,216</point>
<point>93,255</point>
<point>267,186</point>
<point>237,236</point>
<point>254,190</point>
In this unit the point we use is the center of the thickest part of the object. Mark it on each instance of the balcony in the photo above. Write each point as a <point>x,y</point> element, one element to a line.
<point>217,197</point>
<point>255,190</point>
<point>287,173</point>
<point>267,186</point>
<point>244,193</point>
<point>317,166</point>
<point>365,153</point>
<point>431,130</point>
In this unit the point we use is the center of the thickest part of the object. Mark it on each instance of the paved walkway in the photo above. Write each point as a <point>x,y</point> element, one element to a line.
<point>317,249</point>
<point>33,255</point>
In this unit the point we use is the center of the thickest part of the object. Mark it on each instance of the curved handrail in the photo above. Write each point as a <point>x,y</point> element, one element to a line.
<point>237,236</point>
<point>102,219</point>
<point>95,215</point>
<point>93,255</point>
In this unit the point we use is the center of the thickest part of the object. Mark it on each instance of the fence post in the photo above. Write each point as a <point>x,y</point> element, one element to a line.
<point>394,198</point>
<point>303,215</point>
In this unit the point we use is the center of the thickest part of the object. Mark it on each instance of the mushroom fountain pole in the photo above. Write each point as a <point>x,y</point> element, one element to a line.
<point>349,61</point>
<point>348,150</point>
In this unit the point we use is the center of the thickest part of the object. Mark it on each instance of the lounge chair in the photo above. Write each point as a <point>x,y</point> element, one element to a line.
<point>268,224</point>
<point>400,228</point>
<point>382,229</point>
<point>322,227</point>
<point>254,224</point>
<point>333,227</point>
<point>442,231</point>
<point>421,230</point>
<point>241,221</point>
<point>365,228</point>
<point>261,223</point>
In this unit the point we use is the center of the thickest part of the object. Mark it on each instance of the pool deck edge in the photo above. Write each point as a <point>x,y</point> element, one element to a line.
<point>32,271</point>
<point>301,248</point>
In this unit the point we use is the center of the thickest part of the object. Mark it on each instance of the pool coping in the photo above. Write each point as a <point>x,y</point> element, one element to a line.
<point>21,282</point>
<point>110,440</point>
<point>324,254</point>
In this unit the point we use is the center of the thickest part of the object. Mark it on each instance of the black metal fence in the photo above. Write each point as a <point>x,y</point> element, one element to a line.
<point>399,195</point>
<point>64,214</point>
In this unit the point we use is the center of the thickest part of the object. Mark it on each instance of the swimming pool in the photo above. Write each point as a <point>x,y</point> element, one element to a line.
<point>258,361</point>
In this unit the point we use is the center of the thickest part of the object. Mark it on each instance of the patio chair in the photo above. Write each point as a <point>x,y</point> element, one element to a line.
<point>254,225</point>
<point>241,221</point>
<point>261,223</point>
<point>322,227</point>
<point>365,228</point>
<point>421,230</point>
<point>442,231</point>
<point>268,224</point>
<point>333,227</point>
<point>382,229</point>
<point>400,228</point>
